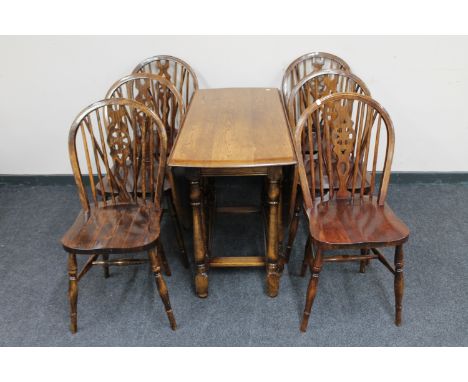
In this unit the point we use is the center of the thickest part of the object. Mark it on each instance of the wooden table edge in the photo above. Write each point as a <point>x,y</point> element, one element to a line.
<point>170,163</point>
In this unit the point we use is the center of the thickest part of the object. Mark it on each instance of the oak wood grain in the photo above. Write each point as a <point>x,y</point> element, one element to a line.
<point>237,127</point>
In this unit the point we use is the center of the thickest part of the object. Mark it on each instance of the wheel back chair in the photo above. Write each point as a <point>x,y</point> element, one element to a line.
<point>159,95</point>
<point>305,93</point>
<point>306,64</point>
<point>356,130</point>
<point>297,70</point>
<point>174,69</point>
<point>108,139</point>
<point>184,79</point>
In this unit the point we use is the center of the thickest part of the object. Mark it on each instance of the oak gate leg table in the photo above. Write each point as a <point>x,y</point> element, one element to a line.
<point>234,132</point>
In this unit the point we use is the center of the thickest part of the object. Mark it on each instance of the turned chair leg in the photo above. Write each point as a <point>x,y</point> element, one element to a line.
<point>399,283</point>
<point>162,287</point>
<point>162,255</point>
<point>106,266</point>
<point>292,233</point>
<point>312,289</point>
<point>178,231</point>
<point>73,291</point>
<point>307,256</point>
<point>363,263</point>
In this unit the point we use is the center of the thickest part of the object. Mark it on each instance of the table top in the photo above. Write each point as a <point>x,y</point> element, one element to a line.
<point>231,128</point>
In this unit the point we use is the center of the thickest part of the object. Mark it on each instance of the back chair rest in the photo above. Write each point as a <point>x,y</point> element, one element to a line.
<point>320,84</point>
<point>307,64</point>
<point>175,70</point>
<point>354,131</point>
<point>156,93</point>
<point>114,138</point>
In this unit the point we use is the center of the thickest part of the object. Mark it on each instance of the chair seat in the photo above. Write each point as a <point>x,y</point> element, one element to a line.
<point>343,222</point>
<point>114,229</point>
<point>129,186</point>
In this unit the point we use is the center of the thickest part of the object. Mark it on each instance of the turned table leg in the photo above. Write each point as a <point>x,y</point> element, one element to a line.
<point>273,276</point>
<point>201,276</point>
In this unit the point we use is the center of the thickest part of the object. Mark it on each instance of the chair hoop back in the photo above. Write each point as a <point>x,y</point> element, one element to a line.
<point>347,141</point>
<point>306,64</point>
<point>117,135</point>
<point>175,70</point>
<point>158,94</point>
<point>320,84</point>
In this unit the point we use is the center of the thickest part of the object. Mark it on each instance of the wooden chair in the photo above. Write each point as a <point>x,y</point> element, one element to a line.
<point>306,92</point>
<point>175,70</point>
<point>307,64</point>
<point>106,139</point>
<point>356,131</point>
<point>159,95</point>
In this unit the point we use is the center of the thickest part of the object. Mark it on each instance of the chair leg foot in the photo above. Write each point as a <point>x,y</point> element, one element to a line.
<point>73,292</point>
<point>172,321</point>
<point>161,286</point>
<point>305,322</point>
<point>398,284</point>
